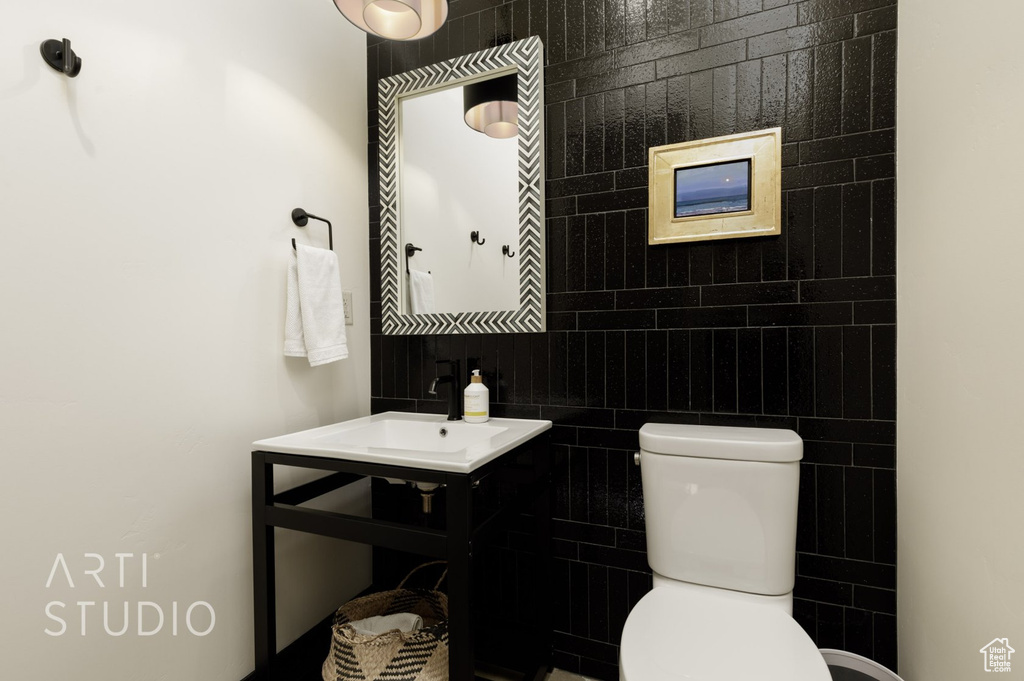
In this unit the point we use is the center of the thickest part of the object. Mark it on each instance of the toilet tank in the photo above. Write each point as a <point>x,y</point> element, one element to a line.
<point>721,504</point>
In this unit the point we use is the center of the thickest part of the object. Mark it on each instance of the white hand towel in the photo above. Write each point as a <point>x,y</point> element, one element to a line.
<point>379,624</point>
<point>294,343</point>
<point>421,292</point>
<point>315,314</point>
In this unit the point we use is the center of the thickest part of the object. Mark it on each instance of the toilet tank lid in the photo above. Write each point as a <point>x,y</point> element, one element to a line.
<point>722,442</point>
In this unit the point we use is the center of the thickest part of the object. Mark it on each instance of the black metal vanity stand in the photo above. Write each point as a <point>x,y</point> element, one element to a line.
<point>468,516</point>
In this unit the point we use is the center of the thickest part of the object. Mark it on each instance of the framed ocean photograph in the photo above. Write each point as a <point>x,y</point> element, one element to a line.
<point>719,188</point>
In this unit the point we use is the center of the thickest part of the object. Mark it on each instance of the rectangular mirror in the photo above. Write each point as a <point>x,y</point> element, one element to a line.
<point>462,194</point>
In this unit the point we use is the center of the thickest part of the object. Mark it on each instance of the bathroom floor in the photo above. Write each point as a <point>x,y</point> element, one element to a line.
<point>505,675</point>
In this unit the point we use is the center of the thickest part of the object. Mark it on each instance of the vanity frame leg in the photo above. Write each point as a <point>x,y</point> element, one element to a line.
<point>263,577</point>
<point>542,509</point>
<point>459,520</point>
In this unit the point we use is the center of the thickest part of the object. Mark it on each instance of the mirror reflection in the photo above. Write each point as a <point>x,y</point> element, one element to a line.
<point>457,180</point>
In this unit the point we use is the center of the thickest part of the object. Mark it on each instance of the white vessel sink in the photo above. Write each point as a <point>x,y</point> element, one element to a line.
<point>413,440</point>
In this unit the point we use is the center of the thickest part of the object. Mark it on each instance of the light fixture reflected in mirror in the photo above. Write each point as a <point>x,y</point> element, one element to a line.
<point>492,107</point>
<point>395,19</point>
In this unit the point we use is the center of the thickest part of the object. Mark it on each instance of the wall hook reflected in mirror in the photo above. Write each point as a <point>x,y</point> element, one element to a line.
<point>475,238</point>
<point>301,219</point>
<point>59,55</point>
<point>507,251</point>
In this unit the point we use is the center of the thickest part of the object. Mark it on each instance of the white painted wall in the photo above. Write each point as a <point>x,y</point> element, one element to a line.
<point>144,209</point>
<point>455,180</point>
<point>960,325</point>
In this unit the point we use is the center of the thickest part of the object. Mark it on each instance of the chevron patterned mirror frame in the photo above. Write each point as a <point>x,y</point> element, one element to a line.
<point>526,57</point>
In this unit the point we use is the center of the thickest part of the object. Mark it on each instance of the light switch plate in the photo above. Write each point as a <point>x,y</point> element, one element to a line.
<point>346,301</point>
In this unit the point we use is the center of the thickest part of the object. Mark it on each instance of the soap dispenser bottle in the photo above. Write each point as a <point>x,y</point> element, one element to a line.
<point>476,402</point>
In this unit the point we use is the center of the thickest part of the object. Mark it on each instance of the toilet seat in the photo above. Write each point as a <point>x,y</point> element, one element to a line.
<point>677,634</point>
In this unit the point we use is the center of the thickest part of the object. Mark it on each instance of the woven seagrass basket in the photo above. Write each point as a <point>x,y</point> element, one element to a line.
<point>395,655</point>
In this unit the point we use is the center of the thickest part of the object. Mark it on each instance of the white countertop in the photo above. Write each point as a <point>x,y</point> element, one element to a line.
<point>412,440</point>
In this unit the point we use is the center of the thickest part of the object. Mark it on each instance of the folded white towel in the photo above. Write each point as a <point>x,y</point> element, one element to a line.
<point>403,621</point>
<point>315,315</point>
<point>294,343</point>
<point>421,292</point>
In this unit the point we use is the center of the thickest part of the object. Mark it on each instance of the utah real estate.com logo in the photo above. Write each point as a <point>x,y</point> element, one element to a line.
<point>997,655</point>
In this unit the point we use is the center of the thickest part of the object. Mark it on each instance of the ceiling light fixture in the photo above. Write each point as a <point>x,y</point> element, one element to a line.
<point>492,106</point>
<point>395,19</point>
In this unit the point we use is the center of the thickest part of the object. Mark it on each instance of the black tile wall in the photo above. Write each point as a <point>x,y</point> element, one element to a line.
<point>796,331</point>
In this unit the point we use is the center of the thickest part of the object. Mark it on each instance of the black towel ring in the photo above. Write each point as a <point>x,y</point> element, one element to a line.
<point>301,219</point>
<point>410,251</point>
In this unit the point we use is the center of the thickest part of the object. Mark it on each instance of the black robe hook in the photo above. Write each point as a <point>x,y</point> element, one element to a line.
<point>507,251</point>
<point>475,238</point>
<point>59,55</point>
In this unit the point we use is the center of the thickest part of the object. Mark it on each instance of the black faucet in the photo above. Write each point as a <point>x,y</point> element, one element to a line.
<point>454,390</point>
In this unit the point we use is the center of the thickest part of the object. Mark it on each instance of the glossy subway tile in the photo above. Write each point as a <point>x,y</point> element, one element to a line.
<point>792,331</point>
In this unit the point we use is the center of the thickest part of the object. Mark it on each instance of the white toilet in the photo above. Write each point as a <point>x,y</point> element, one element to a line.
<point>721,539</point>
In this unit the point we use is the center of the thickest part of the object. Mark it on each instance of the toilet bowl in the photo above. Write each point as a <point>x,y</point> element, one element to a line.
<point>720,508</point>
<point>676,634</point>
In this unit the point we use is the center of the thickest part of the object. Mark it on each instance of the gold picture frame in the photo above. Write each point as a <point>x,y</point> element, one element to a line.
<point>719,188</point>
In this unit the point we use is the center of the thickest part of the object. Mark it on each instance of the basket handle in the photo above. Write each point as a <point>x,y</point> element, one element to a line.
<point>420,567</point>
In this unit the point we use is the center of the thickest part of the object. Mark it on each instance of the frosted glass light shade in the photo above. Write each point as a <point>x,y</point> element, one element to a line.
<point>492,107</point>
<point>495,119</point>
<point>395,19</point>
